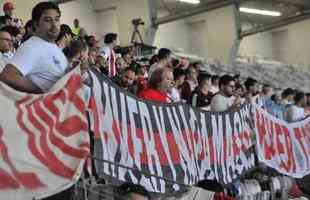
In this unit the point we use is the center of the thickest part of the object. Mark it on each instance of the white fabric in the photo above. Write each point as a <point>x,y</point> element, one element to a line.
<point>272,133</point>
<point>295,113</point>
<point>175,95</point>
<point>41,62</point>
<point>42,152</point>
<point>221,103</point>
<point>105,52</point>
<point>109,54</point>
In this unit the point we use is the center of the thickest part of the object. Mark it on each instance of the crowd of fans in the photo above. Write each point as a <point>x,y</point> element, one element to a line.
<point>33,57</point>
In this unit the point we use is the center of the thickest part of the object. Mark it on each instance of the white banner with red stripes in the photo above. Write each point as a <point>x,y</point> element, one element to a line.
<point>283,146</point>
<point>43,139</point>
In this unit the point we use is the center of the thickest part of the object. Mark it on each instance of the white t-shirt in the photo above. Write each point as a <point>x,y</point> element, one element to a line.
<point>105,52</point>
<point>41,62</point>
<point>221,103</point>
<point>295,113</point>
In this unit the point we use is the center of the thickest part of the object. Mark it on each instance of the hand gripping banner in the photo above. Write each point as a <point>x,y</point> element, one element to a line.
<point>283,146</point>
<point>174,141</point>
<point>43,140</point>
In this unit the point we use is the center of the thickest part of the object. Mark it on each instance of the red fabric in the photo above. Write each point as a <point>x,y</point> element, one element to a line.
<point>295,192</point>
<point>153,95</point>
<point>142,84</point>
<point>222,196</point>
<point>112,64</point>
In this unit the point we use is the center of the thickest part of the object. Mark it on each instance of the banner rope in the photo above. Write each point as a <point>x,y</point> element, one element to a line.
<point>140,171</point>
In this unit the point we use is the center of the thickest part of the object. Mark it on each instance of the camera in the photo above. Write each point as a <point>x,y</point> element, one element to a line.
<point>137,22</point>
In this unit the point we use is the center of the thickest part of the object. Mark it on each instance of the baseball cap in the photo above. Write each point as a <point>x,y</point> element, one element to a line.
<point>8,6</point>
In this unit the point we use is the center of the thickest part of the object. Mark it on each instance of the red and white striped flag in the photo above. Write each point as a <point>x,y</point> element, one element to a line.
<point>43,139</point>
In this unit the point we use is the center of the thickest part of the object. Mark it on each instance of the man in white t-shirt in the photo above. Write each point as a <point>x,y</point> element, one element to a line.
<point>296,112</point>
<point>39,62</point>
<point>108,53</point>
<point>224,100</point>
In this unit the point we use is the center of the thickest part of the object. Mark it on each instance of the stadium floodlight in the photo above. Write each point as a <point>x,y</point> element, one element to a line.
<point>190,1</point>
<point>260,12</point>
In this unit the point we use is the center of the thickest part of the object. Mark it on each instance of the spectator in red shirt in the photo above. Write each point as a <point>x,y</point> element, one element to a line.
<point>160,83</point>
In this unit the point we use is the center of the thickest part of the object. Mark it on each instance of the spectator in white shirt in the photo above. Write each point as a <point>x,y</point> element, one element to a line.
<point>224,100</point>
<point>107,52</point>
<point>39,62</point>
<point>296,112</point>
<point>179,77</point>
<point>288,97</point>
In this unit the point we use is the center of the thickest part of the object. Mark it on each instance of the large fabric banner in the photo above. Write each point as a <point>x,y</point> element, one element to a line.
<point>283,146</point>
<point>174,141</point>
<point>43,140</point>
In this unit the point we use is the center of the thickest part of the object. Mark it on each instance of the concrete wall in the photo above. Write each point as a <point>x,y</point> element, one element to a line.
<point>299,43</point>
<point>84,11</point>
<point>280,45</point>
<point>209,34</point>
<point>198,33</point>
<point>257,45</point>
<point>289,44</point>
<point>107,22</point>
<point>174,35</point>
<point>221,33</point>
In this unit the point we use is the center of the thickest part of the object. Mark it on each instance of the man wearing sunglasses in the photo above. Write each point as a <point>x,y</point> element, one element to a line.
<point>224,100</point>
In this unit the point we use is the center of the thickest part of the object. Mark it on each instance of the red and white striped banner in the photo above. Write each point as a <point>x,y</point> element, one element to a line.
<point>43,139</point>
<point>281,145</point>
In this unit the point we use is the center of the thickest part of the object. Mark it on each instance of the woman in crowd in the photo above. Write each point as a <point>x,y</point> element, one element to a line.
<point>159,85</point>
